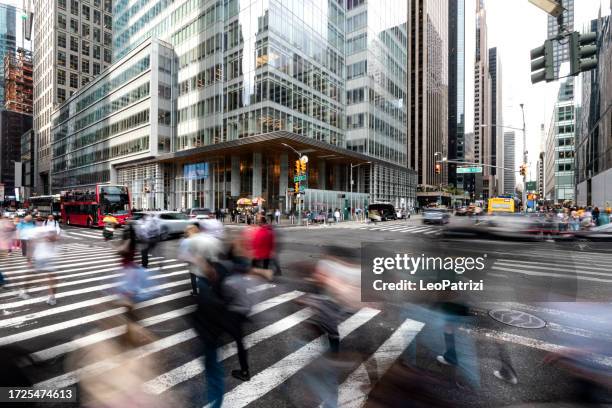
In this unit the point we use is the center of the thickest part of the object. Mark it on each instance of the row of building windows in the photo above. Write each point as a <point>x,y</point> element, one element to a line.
<point>356,70</point>
<point>108,108</point>
<point>357,22</point>
<point>565,129</point>
<point>209,76</point>
<point>100,153</point>
<point>109,85</point>
<point>210,46</point>
<point>201,109</point>
<point>85,176</point>
<point>74,23</point>
<point>565,113</point>
<point>74,5</point>
<point>569,141</point>
<point>101,133</point>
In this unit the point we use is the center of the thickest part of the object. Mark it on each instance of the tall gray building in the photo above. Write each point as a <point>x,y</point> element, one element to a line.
<point>428,93</point>
<point>72,44</point>
<point>561,49</point>
<point>207,102</point>
<point>509,164</point>
<point>456,90</point>
<point>482,104</point>
<point>495,181</point>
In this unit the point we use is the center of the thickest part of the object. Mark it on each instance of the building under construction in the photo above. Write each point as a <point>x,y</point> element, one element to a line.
<point>18,84</point>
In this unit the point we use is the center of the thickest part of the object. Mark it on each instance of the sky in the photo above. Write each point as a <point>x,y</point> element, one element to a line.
<point>515,27</point>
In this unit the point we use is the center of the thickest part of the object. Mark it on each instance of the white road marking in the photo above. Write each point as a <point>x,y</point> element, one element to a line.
<point>353,392</point>
<point>533,343</point>
<point>552,275</point>
<point>542,265</point>
<point>270,378</point>
<point>72,377</point>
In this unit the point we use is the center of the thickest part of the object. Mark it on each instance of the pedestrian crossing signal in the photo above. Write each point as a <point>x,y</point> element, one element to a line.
<point>438,168</point>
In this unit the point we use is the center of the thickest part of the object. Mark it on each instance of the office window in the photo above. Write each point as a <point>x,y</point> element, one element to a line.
<point>74,7</point>
<point>108,6</point>
<point>61,4</point>
<point>61,95</point>
<point>84,80</point>
<point>107,55</point>
<point>85,66</point>
<point>98,3</point>
<point>74,26</point>
<point>96,68</point>
<point>96,51</point>
<point>74,80</point>
<point>85,30</point>
<point>108,22</point>
<point>74,44</point>
<point>61,77</point>
<point>61,58</point>
<point>74,62</point>
<point>86,13</point>
<point>85,48</point>
<point>97,17</point>
<point>96,35</point>
<point>108,39</point>
<point>61,40</point>
<point>61,21</point>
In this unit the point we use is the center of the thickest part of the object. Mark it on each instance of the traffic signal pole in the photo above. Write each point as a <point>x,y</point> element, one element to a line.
<point>525,160</point>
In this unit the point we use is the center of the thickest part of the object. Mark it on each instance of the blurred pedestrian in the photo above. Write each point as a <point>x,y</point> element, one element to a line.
<point>43,243</point>
<point>24,231</point>
<point>262,241</point>
<point>200,251</point>
<point>149,234</point>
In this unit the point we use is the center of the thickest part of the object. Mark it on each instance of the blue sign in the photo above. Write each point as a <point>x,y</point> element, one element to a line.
<point>195,171</point>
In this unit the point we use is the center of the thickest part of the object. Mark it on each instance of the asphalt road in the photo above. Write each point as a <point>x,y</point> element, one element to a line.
<point>389,347</point>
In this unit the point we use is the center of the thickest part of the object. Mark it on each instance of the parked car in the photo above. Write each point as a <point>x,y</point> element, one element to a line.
<point>200,213</point>
<point>8,214</point>
<point>170,222</point>
<point>436,216</point>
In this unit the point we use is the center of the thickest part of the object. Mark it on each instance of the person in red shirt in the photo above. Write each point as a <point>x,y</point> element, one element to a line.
<point>262,244</point>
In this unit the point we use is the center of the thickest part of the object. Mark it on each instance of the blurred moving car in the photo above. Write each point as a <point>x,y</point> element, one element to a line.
<point>170,222</point>
<point>21,212</point>
<point>381,212</point>
<point>461,211</point>
<point>601,233</point>
<point>200,213</point>
<point>8,214</point>
<point>436,216</point>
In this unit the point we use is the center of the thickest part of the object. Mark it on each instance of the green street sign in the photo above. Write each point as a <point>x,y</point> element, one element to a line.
<point>473,169</point>
<point>299,178</point>
<point>531,186</point>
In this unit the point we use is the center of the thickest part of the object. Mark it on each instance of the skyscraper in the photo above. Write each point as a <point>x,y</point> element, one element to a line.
<point>495,182</point>
<point>482,103</point>
<point>428,92</point>
<point>456,89</point>
<point>559,169</point>
<point>224,96</point>
<point>72,44</point>
<point>8,40</point>
<point>18,85</point>
<point>509,164</point>
<point>561,49</point>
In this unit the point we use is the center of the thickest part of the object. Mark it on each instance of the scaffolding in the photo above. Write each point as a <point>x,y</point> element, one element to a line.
<point>18,83</point>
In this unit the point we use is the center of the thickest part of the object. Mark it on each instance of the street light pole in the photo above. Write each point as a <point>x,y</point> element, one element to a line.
<point>525,159</point>
<point>440,185</point>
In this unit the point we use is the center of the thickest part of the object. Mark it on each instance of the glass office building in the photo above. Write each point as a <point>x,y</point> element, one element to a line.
<point>252,82</point>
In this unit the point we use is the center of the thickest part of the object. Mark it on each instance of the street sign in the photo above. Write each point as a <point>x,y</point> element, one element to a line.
<point>299,178</point>
<point>531,186</point>
<point>469,169</point>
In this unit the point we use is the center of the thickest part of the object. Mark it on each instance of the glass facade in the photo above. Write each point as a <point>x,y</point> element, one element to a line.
<point>456,91</point>
<point>114,119</point>
<point>250,68</point>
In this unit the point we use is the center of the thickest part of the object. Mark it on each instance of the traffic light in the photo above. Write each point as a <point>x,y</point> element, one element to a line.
<point>582,47</point>
<point>297,187</point>
<point>303,166</point>
<point>298,167</point>
<point>523,170</point>
<point>438,168</point>
<point>542,63</point>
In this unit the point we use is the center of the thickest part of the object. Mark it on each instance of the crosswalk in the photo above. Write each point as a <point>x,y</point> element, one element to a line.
<point>392,226</point>
<point>82,233</point>
<point>277,337</point>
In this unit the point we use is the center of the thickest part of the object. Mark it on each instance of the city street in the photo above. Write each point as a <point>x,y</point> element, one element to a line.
<point>390,347</point>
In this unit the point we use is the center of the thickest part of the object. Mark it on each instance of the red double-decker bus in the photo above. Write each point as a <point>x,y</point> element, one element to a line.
<point>88,207</point>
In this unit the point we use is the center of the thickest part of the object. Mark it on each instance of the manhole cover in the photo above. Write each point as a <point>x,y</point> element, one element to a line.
<point>517,318</point>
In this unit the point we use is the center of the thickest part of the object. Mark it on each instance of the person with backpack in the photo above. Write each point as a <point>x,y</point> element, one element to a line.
<point>149,233</point>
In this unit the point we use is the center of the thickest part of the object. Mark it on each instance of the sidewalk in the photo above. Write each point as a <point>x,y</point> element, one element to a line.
<point>285,223</point>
